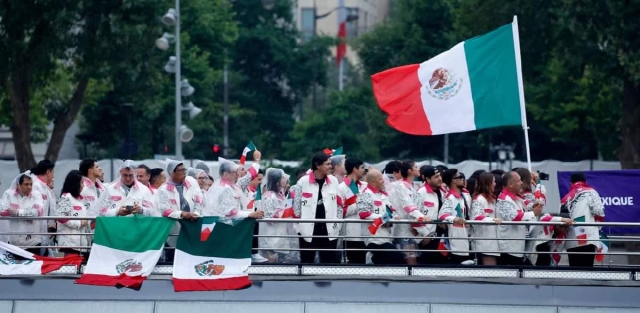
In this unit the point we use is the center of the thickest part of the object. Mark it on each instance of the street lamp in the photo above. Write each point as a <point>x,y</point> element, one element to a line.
<point>268,4</point>
<point>504,152</point>
<point>182,86</point>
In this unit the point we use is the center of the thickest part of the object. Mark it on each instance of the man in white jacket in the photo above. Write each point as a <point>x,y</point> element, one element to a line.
<point>42,176</point>
<point>350,188</point>
<point>315,196</point>
<point>126,196</point>
<point>585,206</point>
<point>20,200</point>
<point>93,188</point>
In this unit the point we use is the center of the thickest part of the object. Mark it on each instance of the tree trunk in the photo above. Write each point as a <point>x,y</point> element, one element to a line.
<point>63,121</point>
<point>629,152</point>
<point>17,87</point>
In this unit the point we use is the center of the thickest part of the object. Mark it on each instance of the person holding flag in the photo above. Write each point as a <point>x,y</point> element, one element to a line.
<point>274,204</point>
<point>349,190</point>
<point>373,204</point>
<point>585,206</point>
<point>455,210</point>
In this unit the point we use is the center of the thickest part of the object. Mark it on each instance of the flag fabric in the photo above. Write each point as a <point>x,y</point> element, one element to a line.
<point>341,51</point>
<point>538,193</point>
<point>443,245</point>
<point>459,211</point>
<point>476,84</point>
<point>603,247</point>
<point>351,195</point>
<point>580,231</point>
<point>125,250</point>
<point>332,152</point>
<point>255,202</point>
<point>288,211</point>
<point>17,261</point>
<point>250,147</point>
<point>386,217</point>
<point>219,263</point>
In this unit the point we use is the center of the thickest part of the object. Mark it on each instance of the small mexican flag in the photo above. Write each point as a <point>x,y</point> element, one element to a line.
<point>580,231</point>
<point>351,195</point>
<point>16,261</point>
<point>218,263</point>
<point>538,193</point>
<point>125,250</point>
<point>603,247</point>
<point>332,152</point>
<point>443,245</point>
<point>250,147</point>
<point>288,211</point>
<point>386,217</point>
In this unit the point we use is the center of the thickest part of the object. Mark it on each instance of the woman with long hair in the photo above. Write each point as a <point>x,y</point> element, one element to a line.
<point>483,208</point>
<point>275,204</point>
<point>70,204</point>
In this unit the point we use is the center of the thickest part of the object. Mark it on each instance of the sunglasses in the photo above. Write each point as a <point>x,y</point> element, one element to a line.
<point>459,177</point>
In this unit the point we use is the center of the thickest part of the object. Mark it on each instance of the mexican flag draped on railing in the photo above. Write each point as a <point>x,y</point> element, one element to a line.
<point>209,255</point>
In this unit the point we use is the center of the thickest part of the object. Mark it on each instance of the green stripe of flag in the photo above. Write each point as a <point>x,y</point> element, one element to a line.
<point>133,234</point>
<point>225,241</point>
<point>491,61</point>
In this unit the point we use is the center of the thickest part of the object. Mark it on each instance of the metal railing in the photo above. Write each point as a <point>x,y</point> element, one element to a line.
<point>344,247</point>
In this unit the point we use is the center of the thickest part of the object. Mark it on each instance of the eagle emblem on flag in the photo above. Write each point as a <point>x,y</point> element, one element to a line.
<point>129,266</point>
<point>443,84</point>
<point>208,268</point>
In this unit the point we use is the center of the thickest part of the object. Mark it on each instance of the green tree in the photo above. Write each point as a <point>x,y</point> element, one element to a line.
<point>207,28</point>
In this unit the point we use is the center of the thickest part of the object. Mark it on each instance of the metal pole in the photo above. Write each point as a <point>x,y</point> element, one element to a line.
<point>315,25</point>
<point>446,150</point>
<point>342,16</point>
<point>178,78</point>
<point>225,93</point>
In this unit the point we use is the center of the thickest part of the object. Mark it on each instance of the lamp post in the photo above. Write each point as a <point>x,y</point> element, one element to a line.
<point>183,88</point>
<point>504,152</point>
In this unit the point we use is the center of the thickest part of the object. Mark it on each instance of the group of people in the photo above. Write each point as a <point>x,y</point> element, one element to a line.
<point>439,200</point>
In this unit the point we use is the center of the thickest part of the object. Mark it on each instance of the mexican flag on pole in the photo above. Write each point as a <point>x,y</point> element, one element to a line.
<point>125,250</point>
<point>219,262</point>
<point>16,261</point>
<point>250,147</point>
<point>476,84</point>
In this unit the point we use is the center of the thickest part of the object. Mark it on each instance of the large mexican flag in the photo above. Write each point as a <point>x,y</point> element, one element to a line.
<point>212,255</point>
<point>476,84</point>
<point>125,250</point>
<point>17,261</point>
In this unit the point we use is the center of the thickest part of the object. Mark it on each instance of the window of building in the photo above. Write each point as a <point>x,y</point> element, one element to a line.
<point>306,22</point>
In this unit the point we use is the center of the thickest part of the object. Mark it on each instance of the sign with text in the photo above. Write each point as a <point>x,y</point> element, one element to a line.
<point>620,193</point>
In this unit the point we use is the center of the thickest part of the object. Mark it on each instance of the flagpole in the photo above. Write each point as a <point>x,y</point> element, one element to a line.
<point>523,112</point>
<point>341,17</point>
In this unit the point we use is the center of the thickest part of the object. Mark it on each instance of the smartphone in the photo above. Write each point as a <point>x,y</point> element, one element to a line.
<point>129,208</point>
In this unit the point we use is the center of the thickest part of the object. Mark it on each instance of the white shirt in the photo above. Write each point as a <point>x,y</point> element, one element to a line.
<point>17,205</point>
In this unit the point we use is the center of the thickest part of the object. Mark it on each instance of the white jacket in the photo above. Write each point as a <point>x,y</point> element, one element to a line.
<point>510,207</point>
<point>91,195</point>
<point>48,199</point>
<point>274,206</point>
<point>428,203</point>
<point>69,206</point>
<point>248,194</point>
<point>483,210</point>
<point>403,201</point>
<point>305,201</point>
<point>115,197</point>
<point>169,204</point>
<point>14,204</point>
<point>585,205</point>
<point>372,204</point>
<point>448,213</point>
<point>348,199</point>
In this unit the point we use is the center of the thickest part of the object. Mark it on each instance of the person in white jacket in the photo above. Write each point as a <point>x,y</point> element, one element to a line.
<point>403,200</point>
<point>585,206</point>
<point>42,176</point>
<point>126,196</point>
<point>275,205</point>
<point>349,190</point>
<point>372,204</point>
<point>20,200</point>
<point>429,200</point>
<point>483,208</point>
<point>315,196</point>
<point>225,196</point>
<point>93,187</point>
<point>510,207</point>
<point>455,210</point>
<point>70,204</point>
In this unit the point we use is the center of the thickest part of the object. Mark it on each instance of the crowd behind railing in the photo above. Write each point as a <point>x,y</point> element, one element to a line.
<point>337,212</point>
